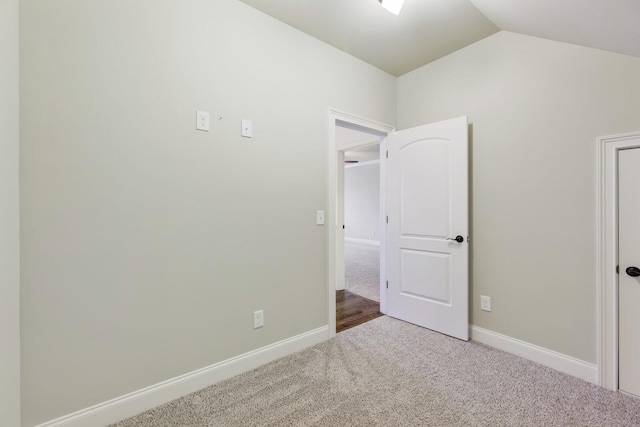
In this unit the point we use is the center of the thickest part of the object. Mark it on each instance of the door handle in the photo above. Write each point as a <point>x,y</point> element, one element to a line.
<point>460,239</point>
<point>633,271</point>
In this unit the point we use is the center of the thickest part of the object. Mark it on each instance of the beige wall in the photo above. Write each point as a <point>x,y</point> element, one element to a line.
<point>362,201</point>
<point>9,221</point>
<point>147,245</point>
<point>536,107</point>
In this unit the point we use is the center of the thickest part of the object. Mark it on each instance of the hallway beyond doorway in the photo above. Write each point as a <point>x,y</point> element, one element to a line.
<point>353,310</point>
<point>362,269</point>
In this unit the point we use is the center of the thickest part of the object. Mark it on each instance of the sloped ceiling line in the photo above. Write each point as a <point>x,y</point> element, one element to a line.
<point>427,30</point>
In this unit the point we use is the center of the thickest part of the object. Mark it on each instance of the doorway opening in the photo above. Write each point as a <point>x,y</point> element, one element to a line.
<point>359,301</point>
<point>350,138</point>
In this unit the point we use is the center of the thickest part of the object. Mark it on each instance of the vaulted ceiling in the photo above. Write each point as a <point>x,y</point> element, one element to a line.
<point>427,30</point>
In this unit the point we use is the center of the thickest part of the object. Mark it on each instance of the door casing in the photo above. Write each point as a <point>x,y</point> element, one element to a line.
<point>607,254</point>
<point>335,202</point>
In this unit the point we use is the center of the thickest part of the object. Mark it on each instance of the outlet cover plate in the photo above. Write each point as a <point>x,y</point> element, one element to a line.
<point>485,303</point>
<point>258,319</point>
<point>247,128</point>
<point>202,120</point>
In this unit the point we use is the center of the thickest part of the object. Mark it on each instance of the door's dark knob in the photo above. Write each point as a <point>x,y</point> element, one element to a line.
<point>458,239</point>
<point>633,271</point>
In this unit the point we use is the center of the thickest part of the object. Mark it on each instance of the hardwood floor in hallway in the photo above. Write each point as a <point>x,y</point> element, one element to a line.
<point>353,310</point>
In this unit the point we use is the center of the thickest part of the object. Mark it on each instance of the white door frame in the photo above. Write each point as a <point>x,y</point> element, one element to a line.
<point>335,202</point>
<point>607,254</point>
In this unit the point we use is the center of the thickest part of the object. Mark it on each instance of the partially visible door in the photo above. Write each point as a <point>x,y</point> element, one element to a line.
<point>629,271</point>
<point>427,208</point>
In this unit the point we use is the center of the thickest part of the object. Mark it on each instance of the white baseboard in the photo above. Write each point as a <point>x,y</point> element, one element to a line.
<point>142,400</point>
<point>558,361</point>
<point>363,241</point>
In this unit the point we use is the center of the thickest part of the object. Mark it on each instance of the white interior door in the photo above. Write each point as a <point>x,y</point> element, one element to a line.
<point>629,270</point>
<point>427,206</point>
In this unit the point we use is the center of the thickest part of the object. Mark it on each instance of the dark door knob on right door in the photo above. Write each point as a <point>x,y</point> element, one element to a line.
<point>633,271</point>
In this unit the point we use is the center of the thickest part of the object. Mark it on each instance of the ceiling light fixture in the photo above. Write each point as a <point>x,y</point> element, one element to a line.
<point>392,6</point>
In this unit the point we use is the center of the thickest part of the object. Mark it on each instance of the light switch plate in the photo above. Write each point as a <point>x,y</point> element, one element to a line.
<point>247,128</point>
<point>202,120</point>
<point>320,218</point>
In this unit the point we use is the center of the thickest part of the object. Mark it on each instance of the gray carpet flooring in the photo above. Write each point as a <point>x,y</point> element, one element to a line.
<point>362,270</point>
<point>391,373</point>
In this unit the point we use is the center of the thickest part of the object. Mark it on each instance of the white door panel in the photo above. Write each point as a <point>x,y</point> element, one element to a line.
<point>425,275</point>
<point>422,213</point>
<point>629,256</point>
<point>427,203</point>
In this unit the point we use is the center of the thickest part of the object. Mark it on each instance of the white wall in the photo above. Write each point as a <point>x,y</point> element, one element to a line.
<point>147,244</point>
<point>536,107</point>
<point>362,201</point>
<point>9,220</point>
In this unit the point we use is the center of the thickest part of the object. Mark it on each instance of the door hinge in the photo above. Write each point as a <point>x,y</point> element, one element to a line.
<point>617,269</point>
<point>387,219</point>
<point>387,154</point>
<point>387,284</point>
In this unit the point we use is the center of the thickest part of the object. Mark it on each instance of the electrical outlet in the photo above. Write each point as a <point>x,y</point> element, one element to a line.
<point>485,303</point>
<point>202,120</point>
<point>258,319</point>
